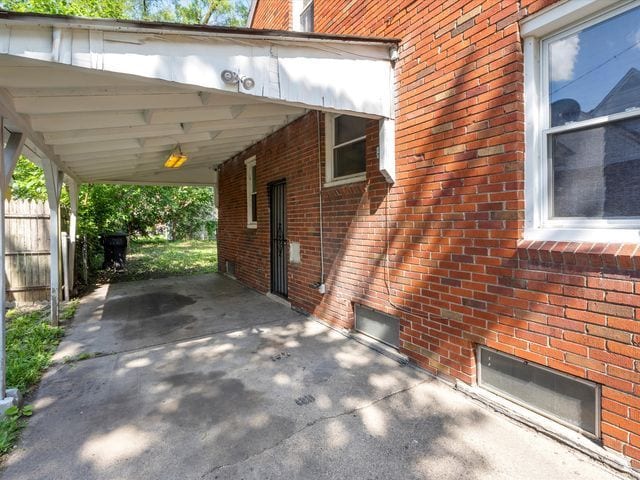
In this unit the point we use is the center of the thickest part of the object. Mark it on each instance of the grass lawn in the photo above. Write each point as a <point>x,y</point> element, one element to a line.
<point>157,258</point>
<point>31,342</point>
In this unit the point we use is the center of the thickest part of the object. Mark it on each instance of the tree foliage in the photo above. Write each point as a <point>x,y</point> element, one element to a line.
<point>83,8</point>
<point>134,209</point>
<point>216,12</point>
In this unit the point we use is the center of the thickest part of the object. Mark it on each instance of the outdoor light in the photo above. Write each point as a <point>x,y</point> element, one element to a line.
<point>232,78</point>
<point>229,77</point>
<point>176,159</point>
<point>248,83</point>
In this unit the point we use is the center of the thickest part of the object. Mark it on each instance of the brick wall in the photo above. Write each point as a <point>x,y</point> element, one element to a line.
<point>272,14</point>
<point>442,249</point>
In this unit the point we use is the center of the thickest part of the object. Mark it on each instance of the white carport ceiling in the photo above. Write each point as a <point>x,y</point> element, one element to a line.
<point>108,100</point>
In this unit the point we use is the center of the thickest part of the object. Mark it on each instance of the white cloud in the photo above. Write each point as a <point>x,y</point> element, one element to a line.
<point>563,58</point>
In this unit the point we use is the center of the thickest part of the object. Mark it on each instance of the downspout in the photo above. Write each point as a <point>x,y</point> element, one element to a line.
<point>321,286</point>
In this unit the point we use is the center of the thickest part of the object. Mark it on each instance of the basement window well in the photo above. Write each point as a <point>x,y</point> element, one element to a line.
<point>567,399</point>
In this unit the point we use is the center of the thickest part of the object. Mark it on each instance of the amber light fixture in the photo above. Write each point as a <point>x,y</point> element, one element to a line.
<point>176,159</point>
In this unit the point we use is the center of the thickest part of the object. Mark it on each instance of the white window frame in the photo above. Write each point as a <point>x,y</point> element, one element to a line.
<point>249,164</point>
<point>537,32</point>
<point>296,12</point>
<point>329,124</point>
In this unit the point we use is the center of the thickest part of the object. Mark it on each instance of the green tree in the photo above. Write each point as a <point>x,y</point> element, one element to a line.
<point>84,8</point>
<point>218,12</point>
<point>28,181</point>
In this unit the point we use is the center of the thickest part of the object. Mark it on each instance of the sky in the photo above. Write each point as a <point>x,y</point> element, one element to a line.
<point>587,65</point>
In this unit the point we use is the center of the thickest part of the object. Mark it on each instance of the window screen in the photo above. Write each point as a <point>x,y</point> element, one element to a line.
<point>569,399</point>
<point>596,171</point>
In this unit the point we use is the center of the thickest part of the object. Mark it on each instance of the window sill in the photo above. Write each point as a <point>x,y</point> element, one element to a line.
<point>346,180</point>
<point>252,225</point>
<point>600,255</point>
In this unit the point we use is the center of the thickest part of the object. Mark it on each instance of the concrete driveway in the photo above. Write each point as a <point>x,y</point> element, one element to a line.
<point>202,378</point>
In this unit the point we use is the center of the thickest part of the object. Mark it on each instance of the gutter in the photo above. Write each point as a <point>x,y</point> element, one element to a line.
<point>135,26</point>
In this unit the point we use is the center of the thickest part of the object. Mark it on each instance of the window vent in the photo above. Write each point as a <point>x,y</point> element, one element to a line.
<point>230,268</point>
<point>567,399</point>
<point>378,325</point>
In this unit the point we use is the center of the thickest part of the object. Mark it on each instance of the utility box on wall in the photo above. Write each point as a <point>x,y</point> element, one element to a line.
<point>294,252</point>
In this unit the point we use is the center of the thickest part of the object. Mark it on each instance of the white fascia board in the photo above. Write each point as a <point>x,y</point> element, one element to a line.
<point>346,77</point>
<point>558,16</point>
<point>252,12</point>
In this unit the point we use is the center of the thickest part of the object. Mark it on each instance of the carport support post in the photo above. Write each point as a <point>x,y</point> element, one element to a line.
<point>8,158</point>
<point>53,178</point>
<point>73,222</point>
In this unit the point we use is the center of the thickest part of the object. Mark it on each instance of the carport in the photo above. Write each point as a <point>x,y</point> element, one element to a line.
<point>96,101</point>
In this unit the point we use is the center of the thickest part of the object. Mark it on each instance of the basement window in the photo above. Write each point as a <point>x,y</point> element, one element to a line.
<point>569,400</point>
<point>252,193</point>
<point>378,325</point>
<point>346,141</point>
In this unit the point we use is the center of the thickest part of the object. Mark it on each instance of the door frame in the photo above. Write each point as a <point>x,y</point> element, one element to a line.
<point>272,266</point>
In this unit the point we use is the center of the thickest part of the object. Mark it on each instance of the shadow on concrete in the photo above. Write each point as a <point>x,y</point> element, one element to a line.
<point>223,400</point>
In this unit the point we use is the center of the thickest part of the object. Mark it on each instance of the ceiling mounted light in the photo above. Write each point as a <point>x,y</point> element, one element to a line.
<point>176,159</point>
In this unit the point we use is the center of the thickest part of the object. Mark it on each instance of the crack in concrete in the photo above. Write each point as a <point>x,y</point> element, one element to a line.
<point>314,423</point>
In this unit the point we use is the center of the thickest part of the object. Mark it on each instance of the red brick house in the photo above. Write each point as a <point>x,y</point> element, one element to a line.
<point>505,252</point>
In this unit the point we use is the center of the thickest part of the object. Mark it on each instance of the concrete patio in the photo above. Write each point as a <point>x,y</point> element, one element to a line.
<point>200,377</point>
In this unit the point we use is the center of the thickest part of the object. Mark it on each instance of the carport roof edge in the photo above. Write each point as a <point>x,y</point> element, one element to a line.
<point>132,25</point>
<point>108,99</point>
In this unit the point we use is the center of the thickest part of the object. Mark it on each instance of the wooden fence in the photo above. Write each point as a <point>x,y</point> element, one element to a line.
<point>27,251</point>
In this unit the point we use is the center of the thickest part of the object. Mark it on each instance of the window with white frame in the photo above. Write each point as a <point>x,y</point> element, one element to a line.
<point>582,106</point>
<point>306,17</point>
<point>346,139</point>
<point>302,13</point>
<point>252,193</point>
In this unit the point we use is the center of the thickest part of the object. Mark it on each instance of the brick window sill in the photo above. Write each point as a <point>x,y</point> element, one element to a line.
<point>610,256</point>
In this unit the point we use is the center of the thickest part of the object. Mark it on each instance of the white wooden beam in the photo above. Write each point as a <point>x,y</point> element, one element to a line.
<point>65,122</point>
<point>74,192</point>
<point>19,123</point>
<point>113,133</point>
<point>12,152</point>
<point>91,91</point>
<point>107,103</point>
<point>53,179</point>
<point>9,154</point>
<point>212,126</point>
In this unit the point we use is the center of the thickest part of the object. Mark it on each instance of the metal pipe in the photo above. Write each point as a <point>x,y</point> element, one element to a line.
<point>320,200</point>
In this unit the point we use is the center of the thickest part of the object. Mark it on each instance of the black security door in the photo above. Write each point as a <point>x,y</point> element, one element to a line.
<point>278,204</point>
